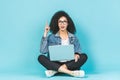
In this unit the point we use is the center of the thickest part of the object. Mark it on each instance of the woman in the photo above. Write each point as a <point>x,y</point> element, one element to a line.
<point>62,29</point>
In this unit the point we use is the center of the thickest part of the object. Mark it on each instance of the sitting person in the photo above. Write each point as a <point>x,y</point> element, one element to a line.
<point>63,30</point>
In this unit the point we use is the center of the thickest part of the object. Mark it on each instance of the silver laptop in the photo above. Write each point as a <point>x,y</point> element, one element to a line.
<point>61,52</point>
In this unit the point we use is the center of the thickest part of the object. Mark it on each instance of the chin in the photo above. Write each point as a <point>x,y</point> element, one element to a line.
<point>63,29</point>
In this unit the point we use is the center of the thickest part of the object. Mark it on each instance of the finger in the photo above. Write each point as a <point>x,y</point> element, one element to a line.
<point>47,28</point>
<point>78,56</point>
<point>46,24</point>
<point>76,59</point>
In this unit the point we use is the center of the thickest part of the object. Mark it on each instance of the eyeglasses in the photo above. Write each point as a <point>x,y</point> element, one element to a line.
<point>64,22</point>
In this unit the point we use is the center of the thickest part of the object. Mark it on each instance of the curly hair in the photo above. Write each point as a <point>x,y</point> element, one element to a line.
<point>54,22</point>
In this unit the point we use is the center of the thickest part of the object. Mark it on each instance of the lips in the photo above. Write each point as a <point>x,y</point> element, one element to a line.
<point>62,27</point>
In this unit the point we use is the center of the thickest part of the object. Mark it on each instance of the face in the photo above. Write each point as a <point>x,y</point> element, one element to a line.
<point>62,23</point>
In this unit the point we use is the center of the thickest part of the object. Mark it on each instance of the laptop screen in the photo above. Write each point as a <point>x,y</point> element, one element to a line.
<point>61,52</point>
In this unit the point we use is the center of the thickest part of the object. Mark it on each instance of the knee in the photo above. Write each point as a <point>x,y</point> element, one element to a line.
<point>85,57</point>
<point>41,58</point>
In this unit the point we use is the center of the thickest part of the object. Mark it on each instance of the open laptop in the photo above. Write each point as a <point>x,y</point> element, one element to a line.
<point>61,52</point>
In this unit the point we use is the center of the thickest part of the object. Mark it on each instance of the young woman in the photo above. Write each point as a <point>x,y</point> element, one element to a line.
<point>62,29</point>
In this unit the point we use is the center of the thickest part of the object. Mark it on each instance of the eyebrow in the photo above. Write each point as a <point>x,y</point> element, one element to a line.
<point>62,20</point>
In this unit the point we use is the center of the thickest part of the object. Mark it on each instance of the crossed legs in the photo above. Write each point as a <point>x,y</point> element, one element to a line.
<point>66,67</point>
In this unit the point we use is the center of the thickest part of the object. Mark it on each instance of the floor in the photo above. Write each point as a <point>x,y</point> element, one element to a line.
<point>97,76</point>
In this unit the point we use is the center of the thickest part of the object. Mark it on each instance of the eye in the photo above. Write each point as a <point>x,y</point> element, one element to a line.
<point>64,22</point>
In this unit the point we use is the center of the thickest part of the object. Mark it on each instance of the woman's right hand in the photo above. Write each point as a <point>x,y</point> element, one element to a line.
<point>47,28</point>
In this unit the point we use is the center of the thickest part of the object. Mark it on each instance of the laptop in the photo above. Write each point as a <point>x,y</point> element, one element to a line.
<point>61,52</point>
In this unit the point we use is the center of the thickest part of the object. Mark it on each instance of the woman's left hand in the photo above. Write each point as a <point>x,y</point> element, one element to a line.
<point>76,57</point>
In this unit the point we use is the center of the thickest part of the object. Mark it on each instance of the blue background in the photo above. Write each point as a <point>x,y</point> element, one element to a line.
<point>22,25</point>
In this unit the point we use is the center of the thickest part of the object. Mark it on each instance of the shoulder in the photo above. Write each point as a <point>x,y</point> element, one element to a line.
<point>51,36</point>
<point>71,35</point>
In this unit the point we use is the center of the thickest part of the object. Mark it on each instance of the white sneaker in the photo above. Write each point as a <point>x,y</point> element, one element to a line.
<point>50,73</point>
<point>78,73</point>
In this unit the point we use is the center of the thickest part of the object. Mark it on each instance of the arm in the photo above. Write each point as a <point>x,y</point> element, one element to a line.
<point>77,49</point>
<point>44,40</point>
<point>44,45</point>
<point>77,46</point>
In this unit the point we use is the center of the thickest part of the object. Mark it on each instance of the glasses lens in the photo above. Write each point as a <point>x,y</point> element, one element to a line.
<point>64,22</point>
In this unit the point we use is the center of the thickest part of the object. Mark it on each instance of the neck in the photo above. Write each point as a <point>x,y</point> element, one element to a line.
<point>63,32</point>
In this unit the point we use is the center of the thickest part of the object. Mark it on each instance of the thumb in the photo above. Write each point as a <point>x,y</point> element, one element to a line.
<point>75,59</point>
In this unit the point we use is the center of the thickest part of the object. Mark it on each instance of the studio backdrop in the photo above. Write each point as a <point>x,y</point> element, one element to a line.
<point>22,24</point>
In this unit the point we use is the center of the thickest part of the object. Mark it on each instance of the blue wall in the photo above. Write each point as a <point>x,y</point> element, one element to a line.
<point>22,25</point>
